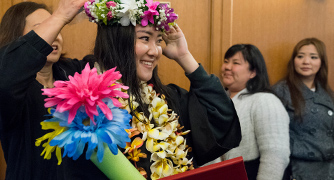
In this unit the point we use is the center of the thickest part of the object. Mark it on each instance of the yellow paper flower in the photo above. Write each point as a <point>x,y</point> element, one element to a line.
<point>49,136</point>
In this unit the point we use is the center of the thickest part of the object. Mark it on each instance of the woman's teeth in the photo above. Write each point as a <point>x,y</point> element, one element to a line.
<point>147,63</point>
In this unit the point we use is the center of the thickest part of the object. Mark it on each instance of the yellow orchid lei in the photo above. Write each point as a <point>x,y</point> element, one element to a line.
<point>163,136</point>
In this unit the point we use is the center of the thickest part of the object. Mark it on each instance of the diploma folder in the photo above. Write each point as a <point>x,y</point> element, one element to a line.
<point>233,169</point>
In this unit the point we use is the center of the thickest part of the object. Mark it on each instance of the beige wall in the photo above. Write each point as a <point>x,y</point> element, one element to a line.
<point>212,26</point>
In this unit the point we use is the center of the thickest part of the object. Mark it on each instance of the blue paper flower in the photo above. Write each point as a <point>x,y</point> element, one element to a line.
<point>82,131</point>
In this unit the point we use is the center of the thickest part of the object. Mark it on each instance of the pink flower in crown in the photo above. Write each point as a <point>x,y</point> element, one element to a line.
<point>111,4</point>
<point>148,15</point>
<point>109,15</point>
<point>87,89</point>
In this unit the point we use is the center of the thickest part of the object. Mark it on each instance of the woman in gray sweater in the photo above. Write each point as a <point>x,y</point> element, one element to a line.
<point>263,119</point>
<point>309,101</point>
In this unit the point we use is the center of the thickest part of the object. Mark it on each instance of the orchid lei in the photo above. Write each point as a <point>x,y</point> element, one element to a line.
<point>124,12</point>
<point>163,136</point>
<point>85,111</point>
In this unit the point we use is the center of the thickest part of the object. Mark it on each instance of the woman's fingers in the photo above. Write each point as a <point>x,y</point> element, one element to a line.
<point>67,9</point>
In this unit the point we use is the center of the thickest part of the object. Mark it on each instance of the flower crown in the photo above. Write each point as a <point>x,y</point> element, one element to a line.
<point>124,12</point>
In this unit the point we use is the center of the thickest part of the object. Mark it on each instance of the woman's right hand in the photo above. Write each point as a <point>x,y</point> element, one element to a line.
<point>68,9</point>
<point>51,27</point>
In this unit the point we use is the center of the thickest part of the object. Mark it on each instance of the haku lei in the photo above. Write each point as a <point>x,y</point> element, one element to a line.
<point>163,136</point>
<point>131,12</point>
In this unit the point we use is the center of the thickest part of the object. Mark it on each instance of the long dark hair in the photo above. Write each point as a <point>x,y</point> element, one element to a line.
<point>115,46</point>
<point>251,54</point>
<point>293,78</point>
<point>14,21</point>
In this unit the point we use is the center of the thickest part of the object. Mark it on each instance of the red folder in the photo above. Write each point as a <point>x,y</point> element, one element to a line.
<point>233,169</point>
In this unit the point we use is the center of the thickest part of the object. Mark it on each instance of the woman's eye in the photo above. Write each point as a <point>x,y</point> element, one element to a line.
<point>159,41</point>
<point>145,38</point>
<point>299,56</point>
<point>314,57</point>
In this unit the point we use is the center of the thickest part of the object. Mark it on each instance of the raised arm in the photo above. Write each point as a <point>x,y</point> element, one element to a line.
<point>50,28</point>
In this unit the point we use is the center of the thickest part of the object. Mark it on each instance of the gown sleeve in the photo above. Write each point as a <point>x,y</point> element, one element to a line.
<point>209,113</point>
<point>19,62</point>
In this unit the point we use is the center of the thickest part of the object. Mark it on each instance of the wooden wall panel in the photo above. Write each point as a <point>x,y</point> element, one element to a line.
<point>276,26</point>
<point>79,37</point>
<point>217,36</point>
<point>4,5</point>
<point>194,20</point>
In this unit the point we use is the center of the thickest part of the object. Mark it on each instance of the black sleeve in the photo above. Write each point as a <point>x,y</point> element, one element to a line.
<point>210,115</point>
<point>20,61</point>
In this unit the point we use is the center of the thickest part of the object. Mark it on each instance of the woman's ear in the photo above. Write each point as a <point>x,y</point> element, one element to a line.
<point>253,74</point>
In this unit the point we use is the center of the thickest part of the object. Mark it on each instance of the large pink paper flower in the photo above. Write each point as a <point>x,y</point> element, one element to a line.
<point>87,89</point>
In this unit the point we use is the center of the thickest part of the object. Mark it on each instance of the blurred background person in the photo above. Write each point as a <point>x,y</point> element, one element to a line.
<point>264,121</point>
<point>308,99</point>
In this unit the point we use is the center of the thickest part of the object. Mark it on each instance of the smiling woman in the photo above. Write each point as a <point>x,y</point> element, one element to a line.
<point>167,121</point>
<point>148,51</point>
<point>236,73</point>
<point>264,121</point>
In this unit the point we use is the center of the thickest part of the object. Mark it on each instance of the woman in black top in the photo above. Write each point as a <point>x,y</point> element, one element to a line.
<point>30,53</point>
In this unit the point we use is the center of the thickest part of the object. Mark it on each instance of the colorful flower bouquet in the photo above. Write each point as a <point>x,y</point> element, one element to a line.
<point>86,113</point>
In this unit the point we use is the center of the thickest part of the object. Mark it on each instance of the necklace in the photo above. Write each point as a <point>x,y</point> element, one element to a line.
<point>161,133</point>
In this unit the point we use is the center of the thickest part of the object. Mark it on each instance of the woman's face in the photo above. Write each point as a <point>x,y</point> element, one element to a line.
<point>307,62</point>
<point>148,51</point>
<point>36,18</point>
<point>236,73</point>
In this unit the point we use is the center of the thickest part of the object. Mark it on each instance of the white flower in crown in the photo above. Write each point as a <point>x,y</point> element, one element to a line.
<point>128,13</point>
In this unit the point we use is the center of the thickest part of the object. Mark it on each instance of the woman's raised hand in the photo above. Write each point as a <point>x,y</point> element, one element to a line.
<point>177,49</point>
<point>68,9</point>
<point>51,27</point>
